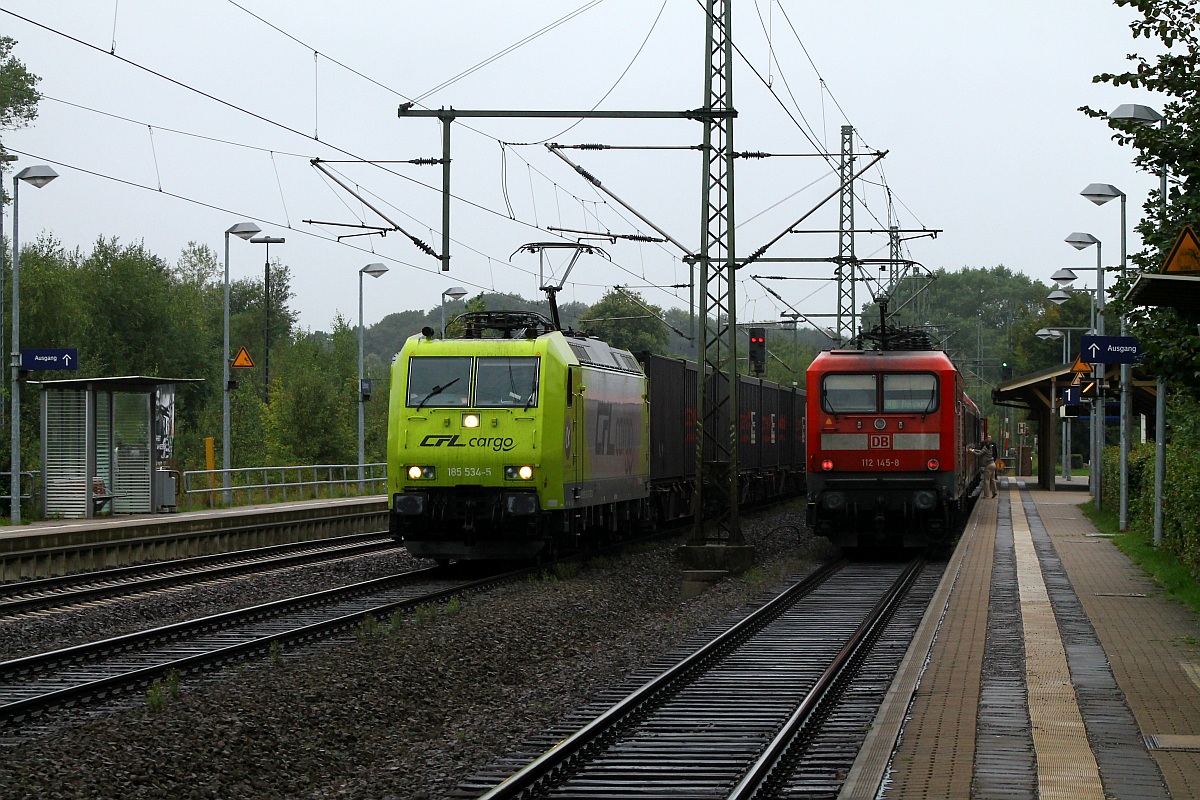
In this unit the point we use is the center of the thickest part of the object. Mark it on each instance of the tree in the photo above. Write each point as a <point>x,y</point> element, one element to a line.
<point>623,319</point>
<point>1171,149</point>
<point>18,90</point>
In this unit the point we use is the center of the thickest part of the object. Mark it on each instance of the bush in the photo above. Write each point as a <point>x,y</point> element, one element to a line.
<point>1181,489</point>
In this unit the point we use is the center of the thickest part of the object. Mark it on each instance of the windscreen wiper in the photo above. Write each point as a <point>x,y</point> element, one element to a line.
<point>435,391</point>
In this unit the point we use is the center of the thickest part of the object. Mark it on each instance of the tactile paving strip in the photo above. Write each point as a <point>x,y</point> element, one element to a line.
<point>1065,764</point>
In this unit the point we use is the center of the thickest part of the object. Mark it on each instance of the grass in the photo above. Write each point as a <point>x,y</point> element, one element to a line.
<point>1176,580</point>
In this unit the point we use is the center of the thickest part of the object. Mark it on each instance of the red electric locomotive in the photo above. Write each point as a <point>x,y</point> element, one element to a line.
<point>889,433</point>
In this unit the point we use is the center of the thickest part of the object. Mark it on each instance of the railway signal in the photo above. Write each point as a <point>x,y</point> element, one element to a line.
<point>758,350</point>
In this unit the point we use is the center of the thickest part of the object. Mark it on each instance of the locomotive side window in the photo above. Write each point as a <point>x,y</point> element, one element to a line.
<point>505,381</point>
<point>849,394</point>
<point>439,381</point>
<point>910,393</point>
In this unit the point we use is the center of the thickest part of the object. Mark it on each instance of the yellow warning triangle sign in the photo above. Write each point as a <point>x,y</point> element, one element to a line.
<point>1080,366</point>
<point>1184,257</point>
<point>242,359</point>
<point>1077,380</point>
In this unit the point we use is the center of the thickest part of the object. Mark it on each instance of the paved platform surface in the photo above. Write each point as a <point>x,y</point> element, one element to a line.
<point>1048,666</point>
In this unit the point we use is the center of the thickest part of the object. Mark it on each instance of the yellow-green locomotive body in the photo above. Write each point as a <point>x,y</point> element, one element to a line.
<point>504,447</point>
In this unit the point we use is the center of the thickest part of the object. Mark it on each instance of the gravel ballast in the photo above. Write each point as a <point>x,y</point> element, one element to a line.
<point>410,708</point>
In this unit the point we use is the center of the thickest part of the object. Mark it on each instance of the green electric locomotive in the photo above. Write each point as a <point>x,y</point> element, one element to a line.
<point>514,439</point>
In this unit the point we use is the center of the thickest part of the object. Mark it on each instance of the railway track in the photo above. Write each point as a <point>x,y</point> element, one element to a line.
<point>33,687</point>
<point>70,590</point>
<point>753,713</point>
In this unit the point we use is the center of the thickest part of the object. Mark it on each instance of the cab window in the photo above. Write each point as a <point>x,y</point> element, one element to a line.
<point>506,381</point>
<point>910,393</point>
<point>849,394</point>
<point>439,381</point>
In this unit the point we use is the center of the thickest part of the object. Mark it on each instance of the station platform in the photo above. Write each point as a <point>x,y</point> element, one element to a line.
<point>46,548</point>
<point>1048,666</point>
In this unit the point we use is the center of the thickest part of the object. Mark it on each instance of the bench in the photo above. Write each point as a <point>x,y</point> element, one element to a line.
<point>100,495</point>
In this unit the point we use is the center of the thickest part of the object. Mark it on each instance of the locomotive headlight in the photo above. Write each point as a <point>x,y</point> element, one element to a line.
<point>880,424</point>
<point>827,464</point>
<point>521,473</point>
<point>932,464</point>
<point>416,473</point>
<point>470,420</point>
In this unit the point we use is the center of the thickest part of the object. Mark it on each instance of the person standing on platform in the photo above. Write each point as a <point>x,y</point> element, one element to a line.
<point>987,458</point>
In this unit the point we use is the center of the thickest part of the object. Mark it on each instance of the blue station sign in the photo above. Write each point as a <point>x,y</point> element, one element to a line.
<point>1110,349</point>
<point>47,358</point>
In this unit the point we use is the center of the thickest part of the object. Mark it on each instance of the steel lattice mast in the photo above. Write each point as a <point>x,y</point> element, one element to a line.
<point>846,263</point>
<point>717,407</point>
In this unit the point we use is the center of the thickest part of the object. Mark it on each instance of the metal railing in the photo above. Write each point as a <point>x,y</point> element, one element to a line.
<point>29,486</point>
<point>254,485</point>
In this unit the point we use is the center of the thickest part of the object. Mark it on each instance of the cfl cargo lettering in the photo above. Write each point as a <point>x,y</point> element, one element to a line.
<point>496,444</point>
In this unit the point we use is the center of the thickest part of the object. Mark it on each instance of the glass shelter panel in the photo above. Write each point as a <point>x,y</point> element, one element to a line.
<point>64,455</point>
<point>132,453</point>
<point>849,394</point>
<point>910,393</point>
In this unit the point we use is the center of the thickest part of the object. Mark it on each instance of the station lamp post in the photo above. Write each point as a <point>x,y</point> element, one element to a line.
<point>374,270</point>
<point>1081,241</point>
<point>1064,277</point>
<point>37,176</point>
<point>268,241</point>
<point>5,158</point>
<point>242,230</point>
<point>1145,115</point>
<point>1101,193</point>
<point>454,293</point>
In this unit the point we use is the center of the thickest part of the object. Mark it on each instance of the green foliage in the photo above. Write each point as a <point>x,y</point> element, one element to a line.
<point>18,90</point>
<point>1181,501</point>
<point>623,319</point>
<point>1167,149</point>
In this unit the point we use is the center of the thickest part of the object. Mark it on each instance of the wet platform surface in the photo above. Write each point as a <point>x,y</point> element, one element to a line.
<point>1048,666</point>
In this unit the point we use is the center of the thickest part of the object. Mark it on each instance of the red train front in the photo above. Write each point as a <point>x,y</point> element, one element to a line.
<point>889,433</point>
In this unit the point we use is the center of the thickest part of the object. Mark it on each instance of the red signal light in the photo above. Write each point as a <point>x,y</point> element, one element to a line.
<point>933,464</point>
<point>827,465</point>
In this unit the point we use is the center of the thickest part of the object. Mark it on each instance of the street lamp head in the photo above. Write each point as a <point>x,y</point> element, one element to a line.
<point>1136,113</point>
<point>455,293</point>
<point>38,175</point>
<point>1058,297</point>
<point>268,240</point>
<point>1101,193</point>
<point>244,230</point>
<point>1048,333</point>
<point>374,270</point>
<point>1064,276</point>
<point>1081,240</point>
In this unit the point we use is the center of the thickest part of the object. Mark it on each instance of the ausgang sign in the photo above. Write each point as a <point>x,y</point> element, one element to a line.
<point>44,358</point>
<point>1110,349</point>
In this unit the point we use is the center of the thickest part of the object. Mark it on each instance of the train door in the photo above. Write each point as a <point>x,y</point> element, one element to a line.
<point>573,435</point>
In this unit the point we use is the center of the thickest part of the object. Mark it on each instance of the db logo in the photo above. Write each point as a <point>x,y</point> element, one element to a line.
<point>880,441</point>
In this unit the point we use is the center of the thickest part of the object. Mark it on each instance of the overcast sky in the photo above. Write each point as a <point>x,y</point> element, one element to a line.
<point>975,103</point>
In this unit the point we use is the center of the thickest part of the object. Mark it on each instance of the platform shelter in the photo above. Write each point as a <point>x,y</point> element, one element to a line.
<point>105,446</point>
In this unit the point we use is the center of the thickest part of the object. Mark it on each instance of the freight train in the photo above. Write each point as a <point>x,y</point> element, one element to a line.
<point>890,433</point>
<point>519,439</point>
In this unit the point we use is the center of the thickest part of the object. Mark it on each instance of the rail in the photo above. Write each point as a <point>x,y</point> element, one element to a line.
<point>253,485</point>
